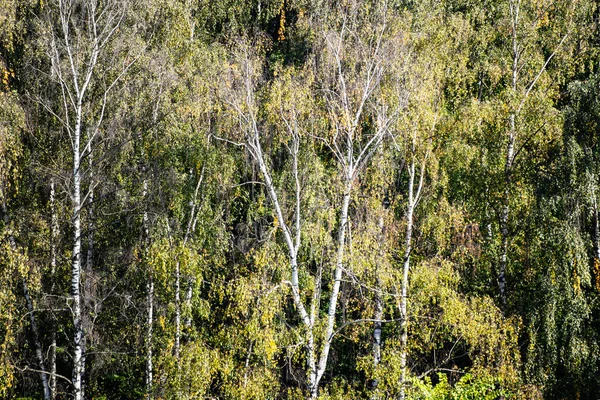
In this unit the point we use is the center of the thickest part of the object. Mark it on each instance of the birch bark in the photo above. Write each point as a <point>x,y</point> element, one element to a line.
<point>413,199</point>
<point>378,314</point>
<point>53,240</point>
<point>522,94</point>
<point>83,31</point>
<point>149,299</point>
<point>347,101</point>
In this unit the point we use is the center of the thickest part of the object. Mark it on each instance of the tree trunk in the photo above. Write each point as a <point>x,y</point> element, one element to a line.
<point>404,300</point>
<point>504,217</point>
<point>53,239</point>
<point>335,291</point>
<point>191,227</point>
<point>149,321</point>
<point>88,276</point>
<point>36,341</point>
<point>149,299</point>
<point>377,328</point>
<point>189,292</point>
<point>177,313</point>
<point>378,315</point>
<point>413,200</point>
<point>293,245</point>
<point>78,335</point>
<point>510,153</point>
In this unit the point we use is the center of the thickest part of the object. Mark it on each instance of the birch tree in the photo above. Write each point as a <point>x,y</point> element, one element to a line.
<point>79,34</point>
<point>414,140</point>
<point>350,65</point>
<point>525,75</point>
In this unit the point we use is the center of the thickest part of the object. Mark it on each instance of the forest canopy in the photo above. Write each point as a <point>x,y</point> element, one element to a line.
<point>299,199</point>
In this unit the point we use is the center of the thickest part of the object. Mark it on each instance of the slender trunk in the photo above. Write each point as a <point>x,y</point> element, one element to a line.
<point>377,328</point>
<point>149,300</point>
<point>413,200</point>
<point>53,364</point>
<point>149,321</point>
<point>404,301</point>
<point>177,313</point>
<point>91,227</point>
<point>308,321</point>
<point>89,263</point>
<point>34,330</point>
<point>247,364</point>
<point>80,66</point>
<point>313,384</point>
<point>78,360</point>
<point>504,217</point>
<point>88,276</point>
<point>191,227</point>
<point>292,248</point>
<point>378,315</point>
<point>335,291</point>
<point>310,348</point>
<point>189,292</point>
<point>508,169</point>
<point>53,239</point>
<point>286,232</point>
<point>36,341</point>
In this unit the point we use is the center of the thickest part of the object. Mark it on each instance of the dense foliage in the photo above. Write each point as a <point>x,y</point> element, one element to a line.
<point>286,199</point>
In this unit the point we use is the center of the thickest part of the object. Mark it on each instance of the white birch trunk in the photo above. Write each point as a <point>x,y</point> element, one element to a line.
<point>91,224</point>
<point>404,290</point>
<point>189,293</point>
<point>508,168</point>
<point>149,337</point>
<point>149,302</point>
<point>335,291</point>
<point>177,345</point>
<point>191,227</point>
<point>74,66</point>
<point>88,280</point>
<point>413,199</point>
<point>53,239</point>
<point>243,105</point>
<point>504,217</point>
<point>517,64</point>
<point>293,245</point>
<point>78,334</point>
<point>378,315</point>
